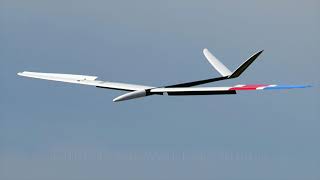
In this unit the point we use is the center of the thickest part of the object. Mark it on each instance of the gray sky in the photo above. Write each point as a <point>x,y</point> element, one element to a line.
<point>51,130</point>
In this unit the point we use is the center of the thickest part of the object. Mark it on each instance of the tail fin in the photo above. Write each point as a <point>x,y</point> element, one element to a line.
<point>223,70</point>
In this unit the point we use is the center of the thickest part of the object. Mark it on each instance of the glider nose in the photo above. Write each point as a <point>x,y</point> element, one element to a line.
<point>131,95</point>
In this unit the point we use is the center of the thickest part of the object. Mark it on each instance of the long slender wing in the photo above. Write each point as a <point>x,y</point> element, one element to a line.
<point>219,90</point>
<point>179,91</point>
<point>85,80</point>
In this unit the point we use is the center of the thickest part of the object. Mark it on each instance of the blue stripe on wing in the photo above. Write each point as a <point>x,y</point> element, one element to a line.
<point>286,87</point>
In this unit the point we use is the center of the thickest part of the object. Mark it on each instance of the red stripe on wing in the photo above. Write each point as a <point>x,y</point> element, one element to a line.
<point>249,87</point>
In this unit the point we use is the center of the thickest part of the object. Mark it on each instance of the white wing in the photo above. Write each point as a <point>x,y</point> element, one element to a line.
<point>83,79</point>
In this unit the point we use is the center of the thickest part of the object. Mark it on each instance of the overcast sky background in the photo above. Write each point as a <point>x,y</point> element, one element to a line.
<point>51,130</point>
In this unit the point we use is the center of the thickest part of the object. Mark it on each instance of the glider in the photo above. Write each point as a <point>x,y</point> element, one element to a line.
<point>137,91</point>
